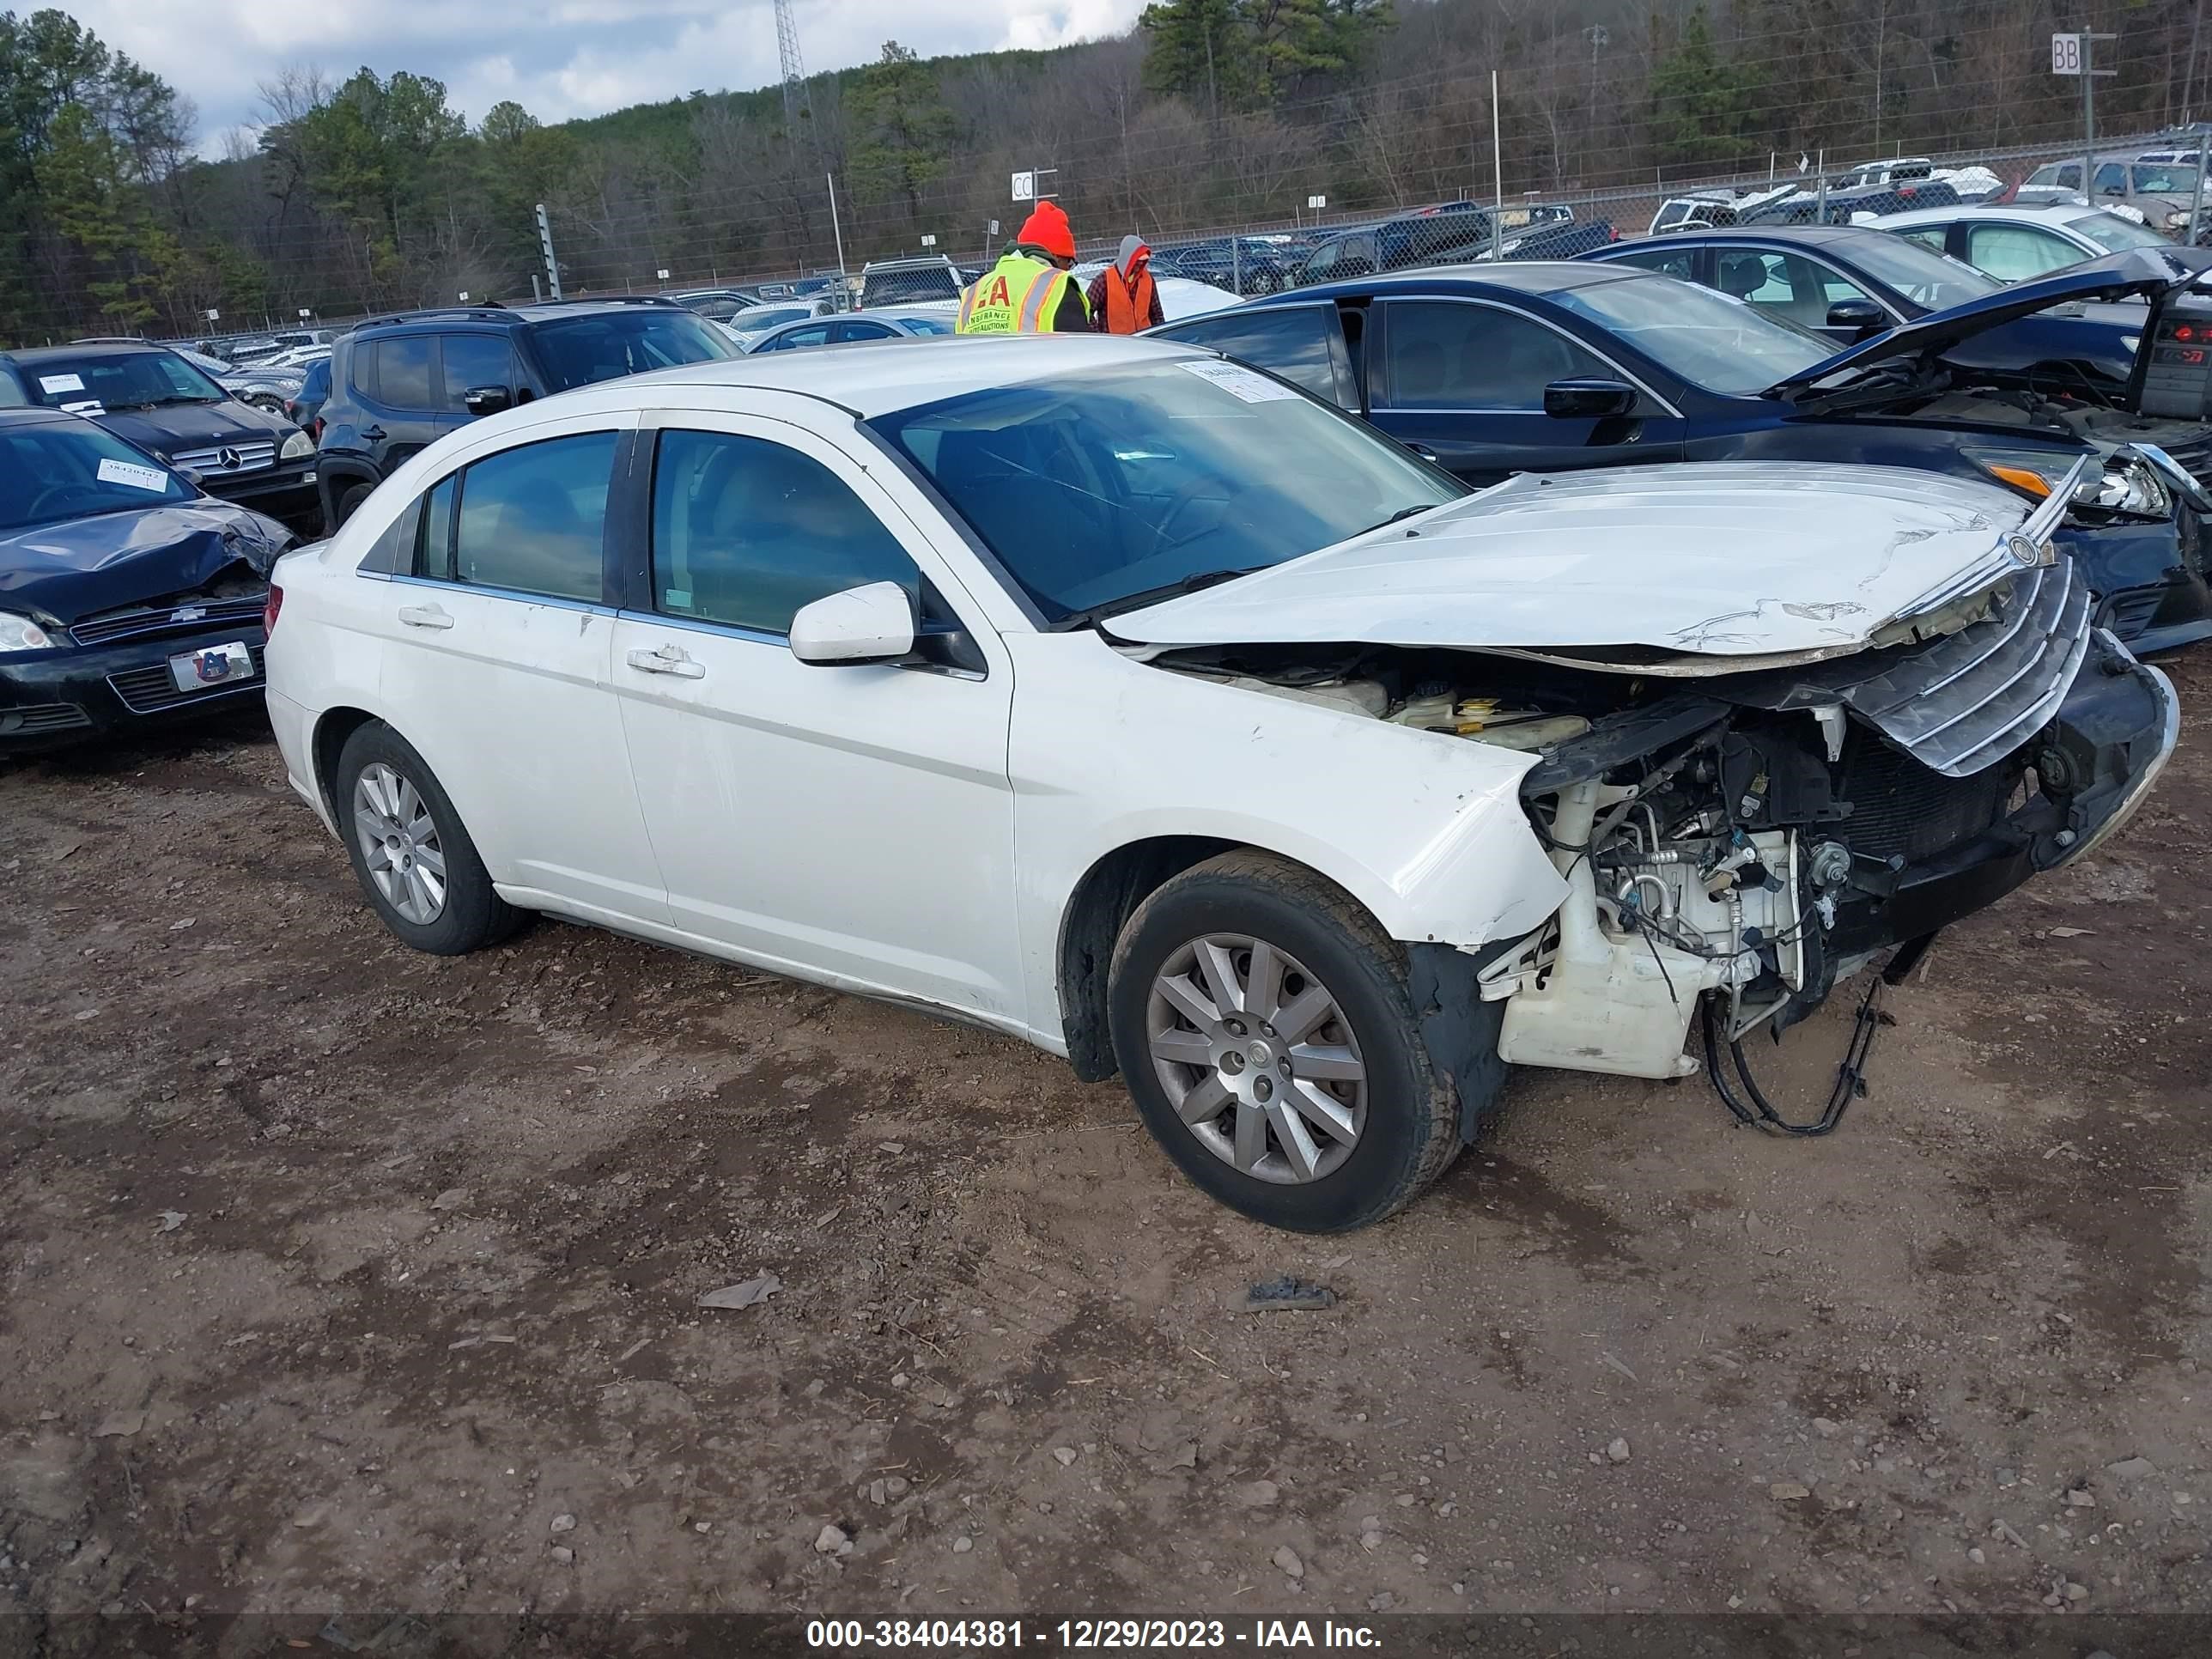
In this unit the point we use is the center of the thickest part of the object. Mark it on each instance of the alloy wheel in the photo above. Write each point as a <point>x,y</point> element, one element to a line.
<point>1257,1057</point>
<point>399,843</point>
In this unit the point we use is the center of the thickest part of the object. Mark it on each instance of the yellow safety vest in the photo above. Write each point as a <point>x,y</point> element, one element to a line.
<point>1019,295</point>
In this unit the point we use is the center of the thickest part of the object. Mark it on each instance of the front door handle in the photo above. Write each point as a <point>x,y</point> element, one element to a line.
<point>1421,450</point>
<point>424,616</point>
<point>373,433</point>
<point>669,659</point>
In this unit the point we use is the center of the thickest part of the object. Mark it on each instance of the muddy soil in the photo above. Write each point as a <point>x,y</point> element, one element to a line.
<point>337,1277</point>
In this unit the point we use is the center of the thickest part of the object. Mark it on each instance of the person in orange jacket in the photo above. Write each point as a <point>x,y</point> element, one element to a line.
<point>1124,298</point>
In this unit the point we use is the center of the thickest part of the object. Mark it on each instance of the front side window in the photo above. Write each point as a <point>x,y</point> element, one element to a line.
<point>127,380</point>
<point>1291,341</point>
<point>1098,490</point>
<point>476,360</point>
<point>1445,356</point>
<point>2013,253</point>
<point>845,333</point>
<point>533,518</point>
<point>814,334</point>
<point>2112,179</point>
<point>607,345</point>
<point>746,531</point>
<point>73,469</point>
<point>1785,285</point>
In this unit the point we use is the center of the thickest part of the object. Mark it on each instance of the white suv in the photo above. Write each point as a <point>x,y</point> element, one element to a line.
<point>1109,693</point>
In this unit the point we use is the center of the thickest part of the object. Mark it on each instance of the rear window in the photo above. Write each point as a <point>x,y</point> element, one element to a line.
<point>607,345</point>
<point>74,470</point>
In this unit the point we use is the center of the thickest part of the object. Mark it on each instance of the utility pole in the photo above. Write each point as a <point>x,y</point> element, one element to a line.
<point>835,230</point>
<point>2089,74</point>
<point>545,248</point>
<point>1880,33</point>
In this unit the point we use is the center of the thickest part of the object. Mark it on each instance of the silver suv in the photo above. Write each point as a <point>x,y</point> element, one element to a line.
<point>2160,191</point>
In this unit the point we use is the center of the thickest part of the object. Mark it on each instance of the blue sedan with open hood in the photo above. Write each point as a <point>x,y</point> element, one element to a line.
<point>128,596</point>
<point>1555,367</point>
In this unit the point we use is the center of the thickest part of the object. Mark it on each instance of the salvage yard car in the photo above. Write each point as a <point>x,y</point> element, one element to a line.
<point>1553,367</point>
<point>150,396</point>
<point>1135,703</point>
<point>128,597</point>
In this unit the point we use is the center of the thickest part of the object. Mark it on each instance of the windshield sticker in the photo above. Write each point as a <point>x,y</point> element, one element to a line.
<point>50,384</point>
<point>1240,382</point>
<point>138,478</point>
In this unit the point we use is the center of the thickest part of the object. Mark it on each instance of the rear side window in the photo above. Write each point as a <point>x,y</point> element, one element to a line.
<point>2014,253</point>
<point>398,374</point>
<point>1296,341</point>
<point>531,519</point>
<point>746,532</point>
<point>818,334</point>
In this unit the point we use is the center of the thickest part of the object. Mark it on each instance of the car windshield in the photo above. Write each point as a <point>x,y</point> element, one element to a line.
<point>126,379</point>
<point>609,344</point>
<point>73,469</point>
<point>1922,275</point>
<point>2166,181</point>
<point>2109,230</point>
<point>1105,489</point>
<point>1711,340</point>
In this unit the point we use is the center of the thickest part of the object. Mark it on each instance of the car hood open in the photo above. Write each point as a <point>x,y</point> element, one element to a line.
<point>1716,567</point>
<point>82,567</point>
<point>2135,273</point>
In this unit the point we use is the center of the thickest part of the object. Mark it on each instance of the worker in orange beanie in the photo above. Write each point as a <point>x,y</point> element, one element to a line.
<point>1028,291</point>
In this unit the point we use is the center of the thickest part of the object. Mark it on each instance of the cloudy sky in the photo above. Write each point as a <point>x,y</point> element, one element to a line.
<point>558,58</point>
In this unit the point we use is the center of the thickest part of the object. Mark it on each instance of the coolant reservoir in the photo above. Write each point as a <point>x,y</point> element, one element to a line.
<point>1539,732</point>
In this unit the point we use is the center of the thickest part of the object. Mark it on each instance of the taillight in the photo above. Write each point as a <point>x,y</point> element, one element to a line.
<point>276,603</point>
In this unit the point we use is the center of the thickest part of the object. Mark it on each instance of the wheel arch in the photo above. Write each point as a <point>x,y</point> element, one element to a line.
<point>1100,905</point>
<point>333,727</point>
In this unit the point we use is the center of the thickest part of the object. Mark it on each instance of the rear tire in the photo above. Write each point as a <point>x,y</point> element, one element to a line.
<point>348,502</point>
<point>1328,1111</point>
<point>410,853</point>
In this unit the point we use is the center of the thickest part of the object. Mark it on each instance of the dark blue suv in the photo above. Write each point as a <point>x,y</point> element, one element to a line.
<point>399,384</point>
<point>1546,367</point>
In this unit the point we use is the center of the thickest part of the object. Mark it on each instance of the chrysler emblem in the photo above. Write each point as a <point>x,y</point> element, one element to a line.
<point>228,459</point>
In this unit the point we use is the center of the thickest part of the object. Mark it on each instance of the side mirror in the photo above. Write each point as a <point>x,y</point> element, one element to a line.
<point>1588,400</point>
<point>874,624</point>
<point>191,475</point>
<point>481,400</point>
<point>1863,315</point>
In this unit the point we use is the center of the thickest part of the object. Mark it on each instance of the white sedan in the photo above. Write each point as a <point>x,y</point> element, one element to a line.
<point>1109,693</point>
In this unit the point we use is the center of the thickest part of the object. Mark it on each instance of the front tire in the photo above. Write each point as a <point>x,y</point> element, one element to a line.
<point>410,853</point>
<point>1261,1022</point>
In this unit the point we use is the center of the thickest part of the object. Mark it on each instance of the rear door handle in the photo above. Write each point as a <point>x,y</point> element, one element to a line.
<point>373,433</point>
<point>669,659</point>
<point>424,616</point>
<point>1421,450</point>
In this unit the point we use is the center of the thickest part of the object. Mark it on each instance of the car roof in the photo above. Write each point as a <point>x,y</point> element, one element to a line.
<point>885,379</point>
<point>448,317</point>
<point>1519,276</point>
<point>2026,213</point>
<point>39,416</point>
<point>1811,235</point>
<point>33,354</point>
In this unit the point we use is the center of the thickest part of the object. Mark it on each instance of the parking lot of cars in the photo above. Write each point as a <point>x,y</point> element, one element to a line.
<point>1650,655</point>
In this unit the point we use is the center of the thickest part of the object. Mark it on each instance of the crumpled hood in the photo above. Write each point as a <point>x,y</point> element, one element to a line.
<point>2137,273</point>
<point>84,566</point>
<point>1740,563</point>
<point>174,427</point>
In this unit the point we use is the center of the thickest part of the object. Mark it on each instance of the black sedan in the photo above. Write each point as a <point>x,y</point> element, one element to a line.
<point>1539,367</point>
<point>1850,282</point>
<point>128,596</point>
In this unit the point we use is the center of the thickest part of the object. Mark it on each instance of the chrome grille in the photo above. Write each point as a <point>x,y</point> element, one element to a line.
<point>1966,701</point>
<point>227,459</point>
<point>187,614</point>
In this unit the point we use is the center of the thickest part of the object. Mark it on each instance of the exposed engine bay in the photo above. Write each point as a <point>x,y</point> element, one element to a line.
<point>1744,840</point>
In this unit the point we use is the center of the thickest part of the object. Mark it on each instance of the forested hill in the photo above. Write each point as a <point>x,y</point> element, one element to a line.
<point>374,191</point>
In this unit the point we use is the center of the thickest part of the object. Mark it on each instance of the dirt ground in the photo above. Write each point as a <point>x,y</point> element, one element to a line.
<point>338,1278</point>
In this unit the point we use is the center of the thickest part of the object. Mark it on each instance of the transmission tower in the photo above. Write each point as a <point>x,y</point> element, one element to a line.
<point>795,101</point>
